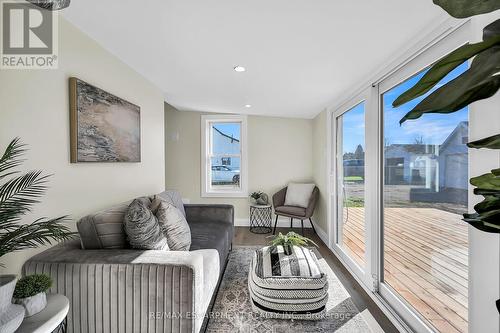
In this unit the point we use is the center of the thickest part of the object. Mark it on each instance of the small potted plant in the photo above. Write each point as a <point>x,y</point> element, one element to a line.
<point>260,198</point>
<point>30,293</point>
<point>289,240</point>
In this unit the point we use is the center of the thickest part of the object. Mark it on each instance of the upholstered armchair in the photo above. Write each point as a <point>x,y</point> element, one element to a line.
<point>294,212</point>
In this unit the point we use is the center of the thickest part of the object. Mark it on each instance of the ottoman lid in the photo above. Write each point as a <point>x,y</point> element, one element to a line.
<point>271,268</point>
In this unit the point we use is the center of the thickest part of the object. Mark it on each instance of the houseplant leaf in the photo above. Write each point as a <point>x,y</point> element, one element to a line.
<point>489,203</point>
<point>441,68</point>
<point>467,8</point>
<point>491,30</point>
<point>491,142</point>
<point>488,181</point>
<point>476,221</point>
<point>479,82</point>
<point>487,215</point>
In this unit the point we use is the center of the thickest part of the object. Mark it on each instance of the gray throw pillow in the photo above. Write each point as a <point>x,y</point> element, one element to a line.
<point>142,227</point>
<point>173,197</point>
<point>173,224</point>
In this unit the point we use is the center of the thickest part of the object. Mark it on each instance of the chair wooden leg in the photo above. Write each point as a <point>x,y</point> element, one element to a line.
<point>302,225</point>
<point>275,222</point>
<point>291,222</point>
<point>312,225</point>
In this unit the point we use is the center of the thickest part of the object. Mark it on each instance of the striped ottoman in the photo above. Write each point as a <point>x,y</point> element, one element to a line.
<point>287,286</point>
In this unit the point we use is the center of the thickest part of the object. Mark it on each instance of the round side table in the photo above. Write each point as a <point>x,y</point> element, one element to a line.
<point>260,219</point>
<point>50,319</point>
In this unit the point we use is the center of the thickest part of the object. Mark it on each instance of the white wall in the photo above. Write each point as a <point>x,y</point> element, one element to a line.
<point>279,151</point>
<point>484,248</point>
<point>34,106</point>
<point>320,167</point>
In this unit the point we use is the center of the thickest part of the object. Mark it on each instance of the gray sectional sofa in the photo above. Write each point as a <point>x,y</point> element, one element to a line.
<point>113,288</point>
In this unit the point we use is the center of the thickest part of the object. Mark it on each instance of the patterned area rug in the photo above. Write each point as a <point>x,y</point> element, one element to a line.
<point>232,312</point>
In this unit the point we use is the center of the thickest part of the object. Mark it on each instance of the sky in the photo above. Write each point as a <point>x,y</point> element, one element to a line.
<point>229,129</point>
<point>432,128</point>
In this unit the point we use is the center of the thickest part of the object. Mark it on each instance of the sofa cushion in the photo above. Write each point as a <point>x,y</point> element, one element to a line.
<point>174,198</point>
<point>104,229</point>
<point>298,194</point>
<point>291,210</point>
<point>211,235</point>
<point>142,227</point>
<point>173,224</point>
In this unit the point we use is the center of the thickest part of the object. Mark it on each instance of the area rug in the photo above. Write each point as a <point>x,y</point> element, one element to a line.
<point>232,311</point>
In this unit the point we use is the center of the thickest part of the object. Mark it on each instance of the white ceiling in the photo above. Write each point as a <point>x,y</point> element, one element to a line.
<point>300,55</point>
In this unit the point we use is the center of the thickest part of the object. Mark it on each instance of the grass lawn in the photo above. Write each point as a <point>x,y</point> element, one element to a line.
<point>354,202</point>
<point>353,178</point>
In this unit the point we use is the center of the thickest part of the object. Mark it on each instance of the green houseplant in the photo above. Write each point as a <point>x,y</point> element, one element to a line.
<point>18,194</point>
<point>30,293</point>
<point>480,81</point>
<point>289,240</point>
<point>260,198</point>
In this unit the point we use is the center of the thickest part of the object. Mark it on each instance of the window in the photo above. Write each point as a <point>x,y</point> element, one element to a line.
<point>224,171</point>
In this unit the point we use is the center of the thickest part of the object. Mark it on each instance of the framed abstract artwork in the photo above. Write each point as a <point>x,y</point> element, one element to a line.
<point>103,127</point>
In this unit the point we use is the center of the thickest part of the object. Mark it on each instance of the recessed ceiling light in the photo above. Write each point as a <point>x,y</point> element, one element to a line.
<point>248,105</point>
<point>239,68</point>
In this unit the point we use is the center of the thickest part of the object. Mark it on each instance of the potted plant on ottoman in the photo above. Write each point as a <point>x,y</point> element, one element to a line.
<point>30,293</point>
<point>289,240</point>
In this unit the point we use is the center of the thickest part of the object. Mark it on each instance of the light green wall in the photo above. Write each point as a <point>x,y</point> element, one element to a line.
<point>279,151</point>
<point>34,106</point>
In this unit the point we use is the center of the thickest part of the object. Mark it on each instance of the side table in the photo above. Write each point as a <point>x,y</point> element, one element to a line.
<point>50,319</point>
<point>260,218</point>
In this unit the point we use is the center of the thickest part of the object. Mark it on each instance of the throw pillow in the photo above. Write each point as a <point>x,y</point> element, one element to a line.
<point>298,194</point>
<point>142,227</point>
<point>174,225</point>
<point>173,197</point>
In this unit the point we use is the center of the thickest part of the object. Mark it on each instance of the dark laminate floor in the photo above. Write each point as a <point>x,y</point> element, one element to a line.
<point>243,236</point>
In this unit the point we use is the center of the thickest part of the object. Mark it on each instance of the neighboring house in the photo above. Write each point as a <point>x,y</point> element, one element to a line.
<point>439,172</point>
<point>412,164</point>
<point>453,159</point>
<point>225,144</point>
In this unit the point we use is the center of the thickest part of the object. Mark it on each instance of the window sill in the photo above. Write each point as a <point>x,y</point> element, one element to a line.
<point>224,195</point>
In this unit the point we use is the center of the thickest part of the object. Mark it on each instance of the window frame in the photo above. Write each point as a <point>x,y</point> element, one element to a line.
<point>207,189</point>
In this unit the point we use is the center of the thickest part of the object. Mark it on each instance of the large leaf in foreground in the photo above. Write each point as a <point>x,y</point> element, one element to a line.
<point>479,82</point>
<point>491,30</point>
<point>488,181</point>
<point>467,8</point>
<point>444,66</point>
<point>477,222</point>
<point>487,215</point>
<point>491,142</point>
<point>488,204</point>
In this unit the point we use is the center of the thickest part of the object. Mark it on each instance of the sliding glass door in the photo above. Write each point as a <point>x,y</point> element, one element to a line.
<point>425,190</point>
<point>398,192</point>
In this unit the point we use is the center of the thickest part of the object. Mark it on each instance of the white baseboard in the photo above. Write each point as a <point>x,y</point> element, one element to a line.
<point>322,234</point>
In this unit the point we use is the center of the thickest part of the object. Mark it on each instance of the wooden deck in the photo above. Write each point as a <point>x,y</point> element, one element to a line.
<point>426,260</point>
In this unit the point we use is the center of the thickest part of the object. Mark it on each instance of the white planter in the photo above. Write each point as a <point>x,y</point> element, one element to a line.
<point>33,304</point>
<point>11,315</point>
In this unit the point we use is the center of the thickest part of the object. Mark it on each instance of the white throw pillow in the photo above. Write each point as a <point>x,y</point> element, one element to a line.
<point>298,194</point>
